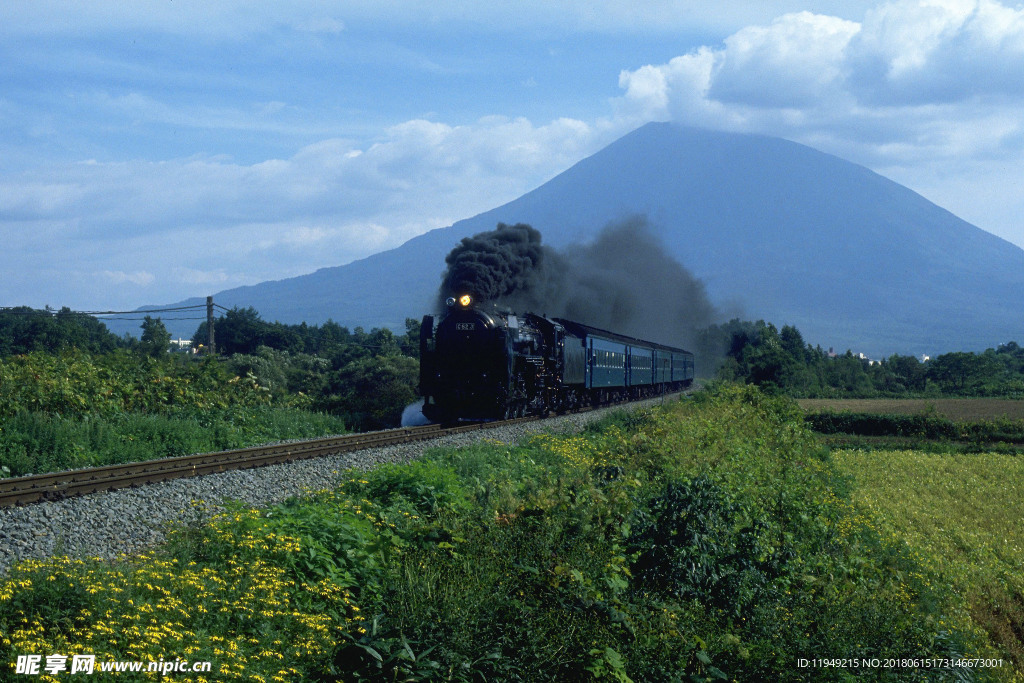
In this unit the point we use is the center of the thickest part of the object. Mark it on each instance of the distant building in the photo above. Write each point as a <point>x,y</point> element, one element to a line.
<point>860,356</point>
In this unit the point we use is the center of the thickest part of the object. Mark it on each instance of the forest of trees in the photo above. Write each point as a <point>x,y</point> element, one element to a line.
<point>25,329</point>
<point>781,361</point>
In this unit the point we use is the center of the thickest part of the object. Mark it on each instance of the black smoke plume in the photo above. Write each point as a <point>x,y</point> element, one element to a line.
<point>624,281</point>
<point>494,266</point>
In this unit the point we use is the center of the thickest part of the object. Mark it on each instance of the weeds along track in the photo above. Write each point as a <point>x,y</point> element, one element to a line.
<point>59,485</point>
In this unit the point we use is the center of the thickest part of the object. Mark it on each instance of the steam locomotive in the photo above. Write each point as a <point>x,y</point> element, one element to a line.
<point>481,363</point>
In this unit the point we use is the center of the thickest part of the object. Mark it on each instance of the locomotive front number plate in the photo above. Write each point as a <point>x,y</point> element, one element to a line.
<point>465,326</point>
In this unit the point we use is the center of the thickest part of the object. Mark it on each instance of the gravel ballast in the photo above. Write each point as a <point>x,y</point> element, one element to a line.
<point>127,521</point>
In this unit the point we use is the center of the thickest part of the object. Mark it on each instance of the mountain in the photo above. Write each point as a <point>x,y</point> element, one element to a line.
<point>776,230</point>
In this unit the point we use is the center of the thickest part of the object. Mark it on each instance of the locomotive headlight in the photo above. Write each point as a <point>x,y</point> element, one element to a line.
<point>465,300</point>
<point>450,301</point>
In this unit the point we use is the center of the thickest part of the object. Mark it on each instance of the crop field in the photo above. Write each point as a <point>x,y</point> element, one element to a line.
<point>959,513</point>
<point>957,409</point>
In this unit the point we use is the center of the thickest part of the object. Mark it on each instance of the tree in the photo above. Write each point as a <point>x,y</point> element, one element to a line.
<point>767,361</point>
<point>382,342</point>
<point>963,373</point>
<point>793,342</point>
<point>240,330</point>
<point>24,329</point>
<point>282,372</point>
<point>156,340</point>
<point>372,392</point>
<point>903,373</point>
<point>410,343</point>
<point>848,374</point>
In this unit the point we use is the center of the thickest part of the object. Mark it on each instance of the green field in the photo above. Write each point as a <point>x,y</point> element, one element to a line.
<point>944,477</point>
<point>961,514</point>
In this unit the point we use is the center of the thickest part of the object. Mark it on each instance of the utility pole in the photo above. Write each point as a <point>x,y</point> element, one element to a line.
<point>210,348</point>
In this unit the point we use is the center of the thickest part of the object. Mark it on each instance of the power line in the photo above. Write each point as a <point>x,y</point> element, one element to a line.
<point>24,310</point>
<point>161,318</point>
<point>36,311</point>
<point>152,310</point>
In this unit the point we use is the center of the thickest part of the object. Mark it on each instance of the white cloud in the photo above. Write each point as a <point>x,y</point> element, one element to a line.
<point>793,63</point>
<point>917,78</point>
<point>30,197</point>
<point>676,90</point>
<point>938,51</point>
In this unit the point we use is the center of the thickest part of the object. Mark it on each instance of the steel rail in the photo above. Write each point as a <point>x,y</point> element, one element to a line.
<point>58,485</point>
<point>72,483</point>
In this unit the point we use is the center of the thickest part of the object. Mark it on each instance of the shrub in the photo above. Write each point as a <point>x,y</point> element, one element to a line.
<point>868,424</point>
<point>694,543</point>
<point>425,487</point>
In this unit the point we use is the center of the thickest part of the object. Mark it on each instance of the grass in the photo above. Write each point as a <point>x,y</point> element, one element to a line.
<point>961,513</point>
<point>713,539</point>
<point>943,477</point>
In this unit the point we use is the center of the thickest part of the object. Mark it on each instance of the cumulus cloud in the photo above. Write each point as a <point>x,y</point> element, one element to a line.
<point>793,63</point>
<point>938,51</point>
<point>924,77</point>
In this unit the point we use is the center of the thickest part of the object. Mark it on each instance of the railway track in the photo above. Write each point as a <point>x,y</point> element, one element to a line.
<point>59,485</point>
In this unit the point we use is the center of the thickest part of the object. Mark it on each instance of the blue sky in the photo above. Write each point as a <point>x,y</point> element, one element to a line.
<point>155,150</point>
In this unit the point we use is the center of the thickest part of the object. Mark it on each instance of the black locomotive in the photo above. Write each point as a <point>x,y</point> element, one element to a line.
<point>483,364</point>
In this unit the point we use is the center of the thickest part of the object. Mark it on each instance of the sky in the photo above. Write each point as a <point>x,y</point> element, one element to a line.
<point>161,149</point>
